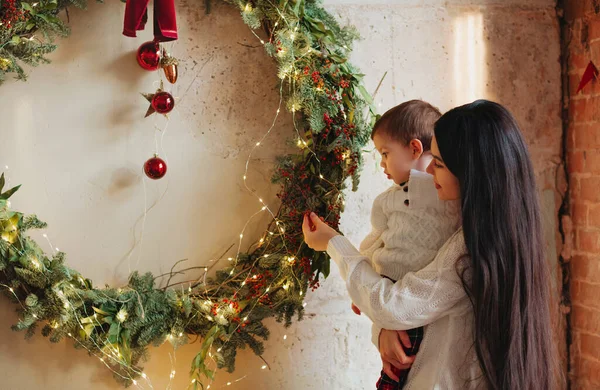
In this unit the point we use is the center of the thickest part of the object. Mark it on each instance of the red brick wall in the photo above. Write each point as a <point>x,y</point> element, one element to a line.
<point>581,42</point>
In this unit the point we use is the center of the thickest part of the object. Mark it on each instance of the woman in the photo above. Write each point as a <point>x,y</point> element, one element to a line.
<point>485,298</point>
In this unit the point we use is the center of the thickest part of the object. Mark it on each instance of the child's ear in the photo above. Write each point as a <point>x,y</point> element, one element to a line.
<point>416,147</point>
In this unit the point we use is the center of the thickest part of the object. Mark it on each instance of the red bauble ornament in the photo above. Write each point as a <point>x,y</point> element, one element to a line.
<point>148,55</point>
<point>163,102</point>
<point>155,168</point>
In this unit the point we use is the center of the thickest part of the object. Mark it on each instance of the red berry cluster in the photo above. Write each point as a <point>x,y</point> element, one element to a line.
<point>258,284</point>
<point>10,13</point>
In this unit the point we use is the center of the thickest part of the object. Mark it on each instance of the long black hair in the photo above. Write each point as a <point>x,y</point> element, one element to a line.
<point>506,276</point>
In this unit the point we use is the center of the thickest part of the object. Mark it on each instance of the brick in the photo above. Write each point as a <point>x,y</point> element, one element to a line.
<point>577,61</point>
<point>589,188</point>
<point>585,319</point>
<point>576,161</point>
<point>577,111</point>
<point>585,268</point>
<point>594,28</point>
<point>592,160</point>
<point>586,136</point>
<point>586,294</point>
<point>590,346</point>
<point>590,369</point>
<point>590,110</point>
<point>593,216</point>
<point>588,240</point>
<point>579,214</point>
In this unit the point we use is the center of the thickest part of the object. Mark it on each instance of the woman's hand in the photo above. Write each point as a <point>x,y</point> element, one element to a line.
<point>317,233</point>
<point>392,353</point>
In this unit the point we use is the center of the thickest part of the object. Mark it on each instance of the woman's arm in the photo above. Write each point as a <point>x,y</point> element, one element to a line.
<point>418,299</point>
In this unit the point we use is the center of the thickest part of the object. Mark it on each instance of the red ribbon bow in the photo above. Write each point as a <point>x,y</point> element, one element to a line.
<point>165,24</point>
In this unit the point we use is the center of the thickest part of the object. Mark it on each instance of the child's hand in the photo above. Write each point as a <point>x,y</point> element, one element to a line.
<point>355,309</point>
<point>317,233</point>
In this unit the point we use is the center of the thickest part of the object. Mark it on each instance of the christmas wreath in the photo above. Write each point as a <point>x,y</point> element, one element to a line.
<point>333,117</point>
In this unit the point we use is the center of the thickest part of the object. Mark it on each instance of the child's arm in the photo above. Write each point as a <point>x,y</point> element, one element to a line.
<point>373,240</point>
<point>417,300</point>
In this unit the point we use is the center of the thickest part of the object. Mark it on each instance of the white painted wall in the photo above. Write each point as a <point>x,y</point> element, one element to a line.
<point>75,137</point>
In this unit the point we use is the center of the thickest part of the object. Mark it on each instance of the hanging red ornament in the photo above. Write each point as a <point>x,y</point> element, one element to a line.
<point>591,72</point>
<point>163,102</point>
<point>160,101</point>
<point>148,55</point>
<point>155,168</point>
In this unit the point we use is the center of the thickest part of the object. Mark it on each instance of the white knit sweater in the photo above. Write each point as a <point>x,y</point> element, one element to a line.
<point>409,225</point>
<point>432,297</point>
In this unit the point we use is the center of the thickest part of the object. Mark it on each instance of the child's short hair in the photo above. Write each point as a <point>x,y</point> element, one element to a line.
<point>413,119</point>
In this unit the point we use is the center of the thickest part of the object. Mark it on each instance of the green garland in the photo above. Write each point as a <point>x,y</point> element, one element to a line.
<point>333,118</point>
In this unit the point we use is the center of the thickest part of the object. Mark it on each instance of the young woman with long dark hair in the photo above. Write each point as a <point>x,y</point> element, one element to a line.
<point>485,298</point>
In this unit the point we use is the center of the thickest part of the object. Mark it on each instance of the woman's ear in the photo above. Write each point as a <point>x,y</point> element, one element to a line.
<point>416,147</point>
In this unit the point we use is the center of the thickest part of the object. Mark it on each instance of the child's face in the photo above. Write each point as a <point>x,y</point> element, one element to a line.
<point>397,159</point>
<point>446,183</point>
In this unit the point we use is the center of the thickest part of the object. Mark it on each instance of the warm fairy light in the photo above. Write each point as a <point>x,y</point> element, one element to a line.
<point>180,334</point>
<point>122,315</point>
<point>285,337</point>
<point>144,375</point>
<point>263,367</point>
<point>265,256</point>
<point>231,258</point>
<point>248,7</point>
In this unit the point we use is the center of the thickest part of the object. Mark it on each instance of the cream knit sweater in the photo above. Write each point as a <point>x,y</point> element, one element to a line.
<point>409,225</point>
<point>428,293</point>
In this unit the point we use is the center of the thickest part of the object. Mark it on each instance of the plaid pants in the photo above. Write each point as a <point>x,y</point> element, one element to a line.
<point>387,383</point>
